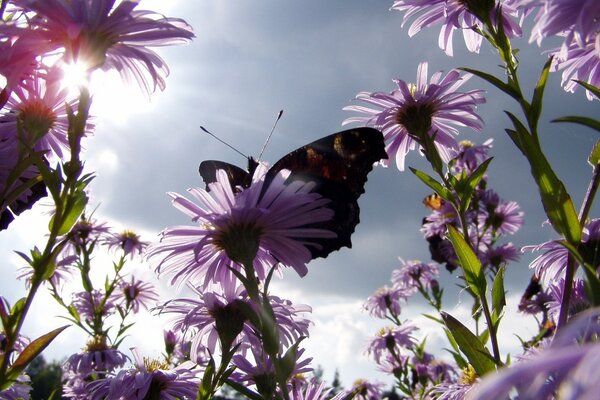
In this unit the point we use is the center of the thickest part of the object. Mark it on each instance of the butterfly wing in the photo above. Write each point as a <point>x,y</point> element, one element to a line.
<point>339,165</point>
<point>237,176</point>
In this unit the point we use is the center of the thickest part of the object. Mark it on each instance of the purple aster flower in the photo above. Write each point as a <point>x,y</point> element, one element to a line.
<point>177,347</point>
<point>563,367</point>
<point>470,156</point>
<point>579,63</point>
<point>39,106</point>
<point>499,255</point>
<point>364,390</point>
<point>136,293</point>
<point>551,264</point>
<point>16,63</point>
<point>435,223</point>
<point>451,391</point>
<point>578,301</point>
<point>215,316</point>
<point>392,365</point>
<point>414,274</point>
<point>128,241</point>
<point>386,300</point>
<point>149,379</point>
<point>392,339</point>
<point>96,357</point>
<point>19,390</point>
<point>63,273</point>
<point>259,370</point>
<point>100,34</point>
<point>91,304</point>
<point>83,232</point>
<point>267,224</point>
<point>290,320</point>
<point>577,20</point>
<point>453,15</point>
<point>505,218</point>
<point>312,390</point>
<point>435,108</point>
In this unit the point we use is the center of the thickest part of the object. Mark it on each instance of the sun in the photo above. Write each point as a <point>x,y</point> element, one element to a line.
<point>75,75</point>
<point>112,98</point>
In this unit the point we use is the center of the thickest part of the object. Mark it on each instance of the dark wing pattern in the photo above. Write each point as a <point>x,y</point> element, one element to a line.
<point>339,165</point>
<point>237,176</point>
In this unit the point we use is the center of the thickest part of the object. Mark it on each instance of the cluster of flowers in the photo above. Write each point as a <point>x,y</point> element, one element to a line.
<point>488,218</point>
<point>38,39</point>
<point>244,235</point>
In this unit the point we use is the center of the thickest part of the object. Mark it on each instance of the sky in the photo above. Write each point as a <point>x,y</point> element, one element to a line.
<point>251,59</point>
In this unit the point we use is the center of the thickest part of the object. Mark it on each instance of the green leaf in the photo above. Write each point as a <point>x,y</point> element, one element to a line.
<point>595,90</point>
<point>433,184</point>
<point>555,198</point>
<point>585,121</point>
<point>205,390</point>
<point>538,94</point>
<point>34,349</point>
<point>594,158</point>
<point>498,294</point>
<point>73,212</point>
<point>467,190</point>
<point>242,389</point>
<point>469,263</point>
<point>506,88</point>
<point>470,345</point>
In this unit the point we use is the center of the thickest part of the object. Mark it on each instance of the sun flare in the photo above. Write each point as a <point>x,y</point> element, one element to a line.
<point>75,75</point>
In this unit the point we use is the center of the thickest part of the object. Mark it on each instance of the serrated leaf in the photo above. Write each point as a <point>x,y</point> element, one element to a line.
<point>433,184</point>
<point>33,349</point>
<point>469,263</point>
<point>585,121</point>
<point>506,88</point>
<point>470,345</point>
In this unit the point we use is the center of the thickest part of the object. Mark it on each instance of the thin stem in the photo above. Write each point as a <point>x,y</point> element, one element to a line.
<point>571,266</point>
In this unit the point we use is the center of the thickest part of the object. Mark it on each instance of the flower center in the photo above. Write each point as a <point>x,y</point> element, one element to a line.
<point>36,118</point>
<point>240,241</point>
<point>97,343</point>
<point>468,376</point>
<point>152,364</point>
<point>416,118</point>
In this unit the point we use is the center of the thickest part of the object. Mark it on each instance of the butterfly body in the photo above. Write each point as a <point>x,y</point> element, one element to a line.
<point>338,164</point>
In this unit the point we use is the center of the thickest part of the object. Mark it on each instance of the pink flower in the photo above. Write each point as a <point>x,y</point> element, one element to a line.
<point>100,34</point>
<point>435,108</point>
<point>266,224</point>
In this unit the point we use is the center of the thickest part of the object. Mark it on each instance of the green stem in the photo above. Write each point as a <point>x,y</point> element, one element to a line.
<point>571,265</point>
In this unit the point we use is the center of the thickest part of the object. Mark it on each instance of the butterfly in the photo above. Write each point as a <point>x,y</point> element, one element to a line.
<point>338,164</point>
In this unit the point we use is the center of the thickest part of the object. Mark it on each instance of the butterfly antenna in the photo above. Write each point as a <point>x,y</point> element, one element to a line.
<point>225,143</point>
<point>270,134</point>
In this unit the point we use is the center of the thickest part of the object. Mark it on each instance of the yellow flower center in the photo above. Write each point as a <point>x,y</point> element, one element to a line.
<point>152,364</point>
<point>97,343</point>
<point>468,376</point>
